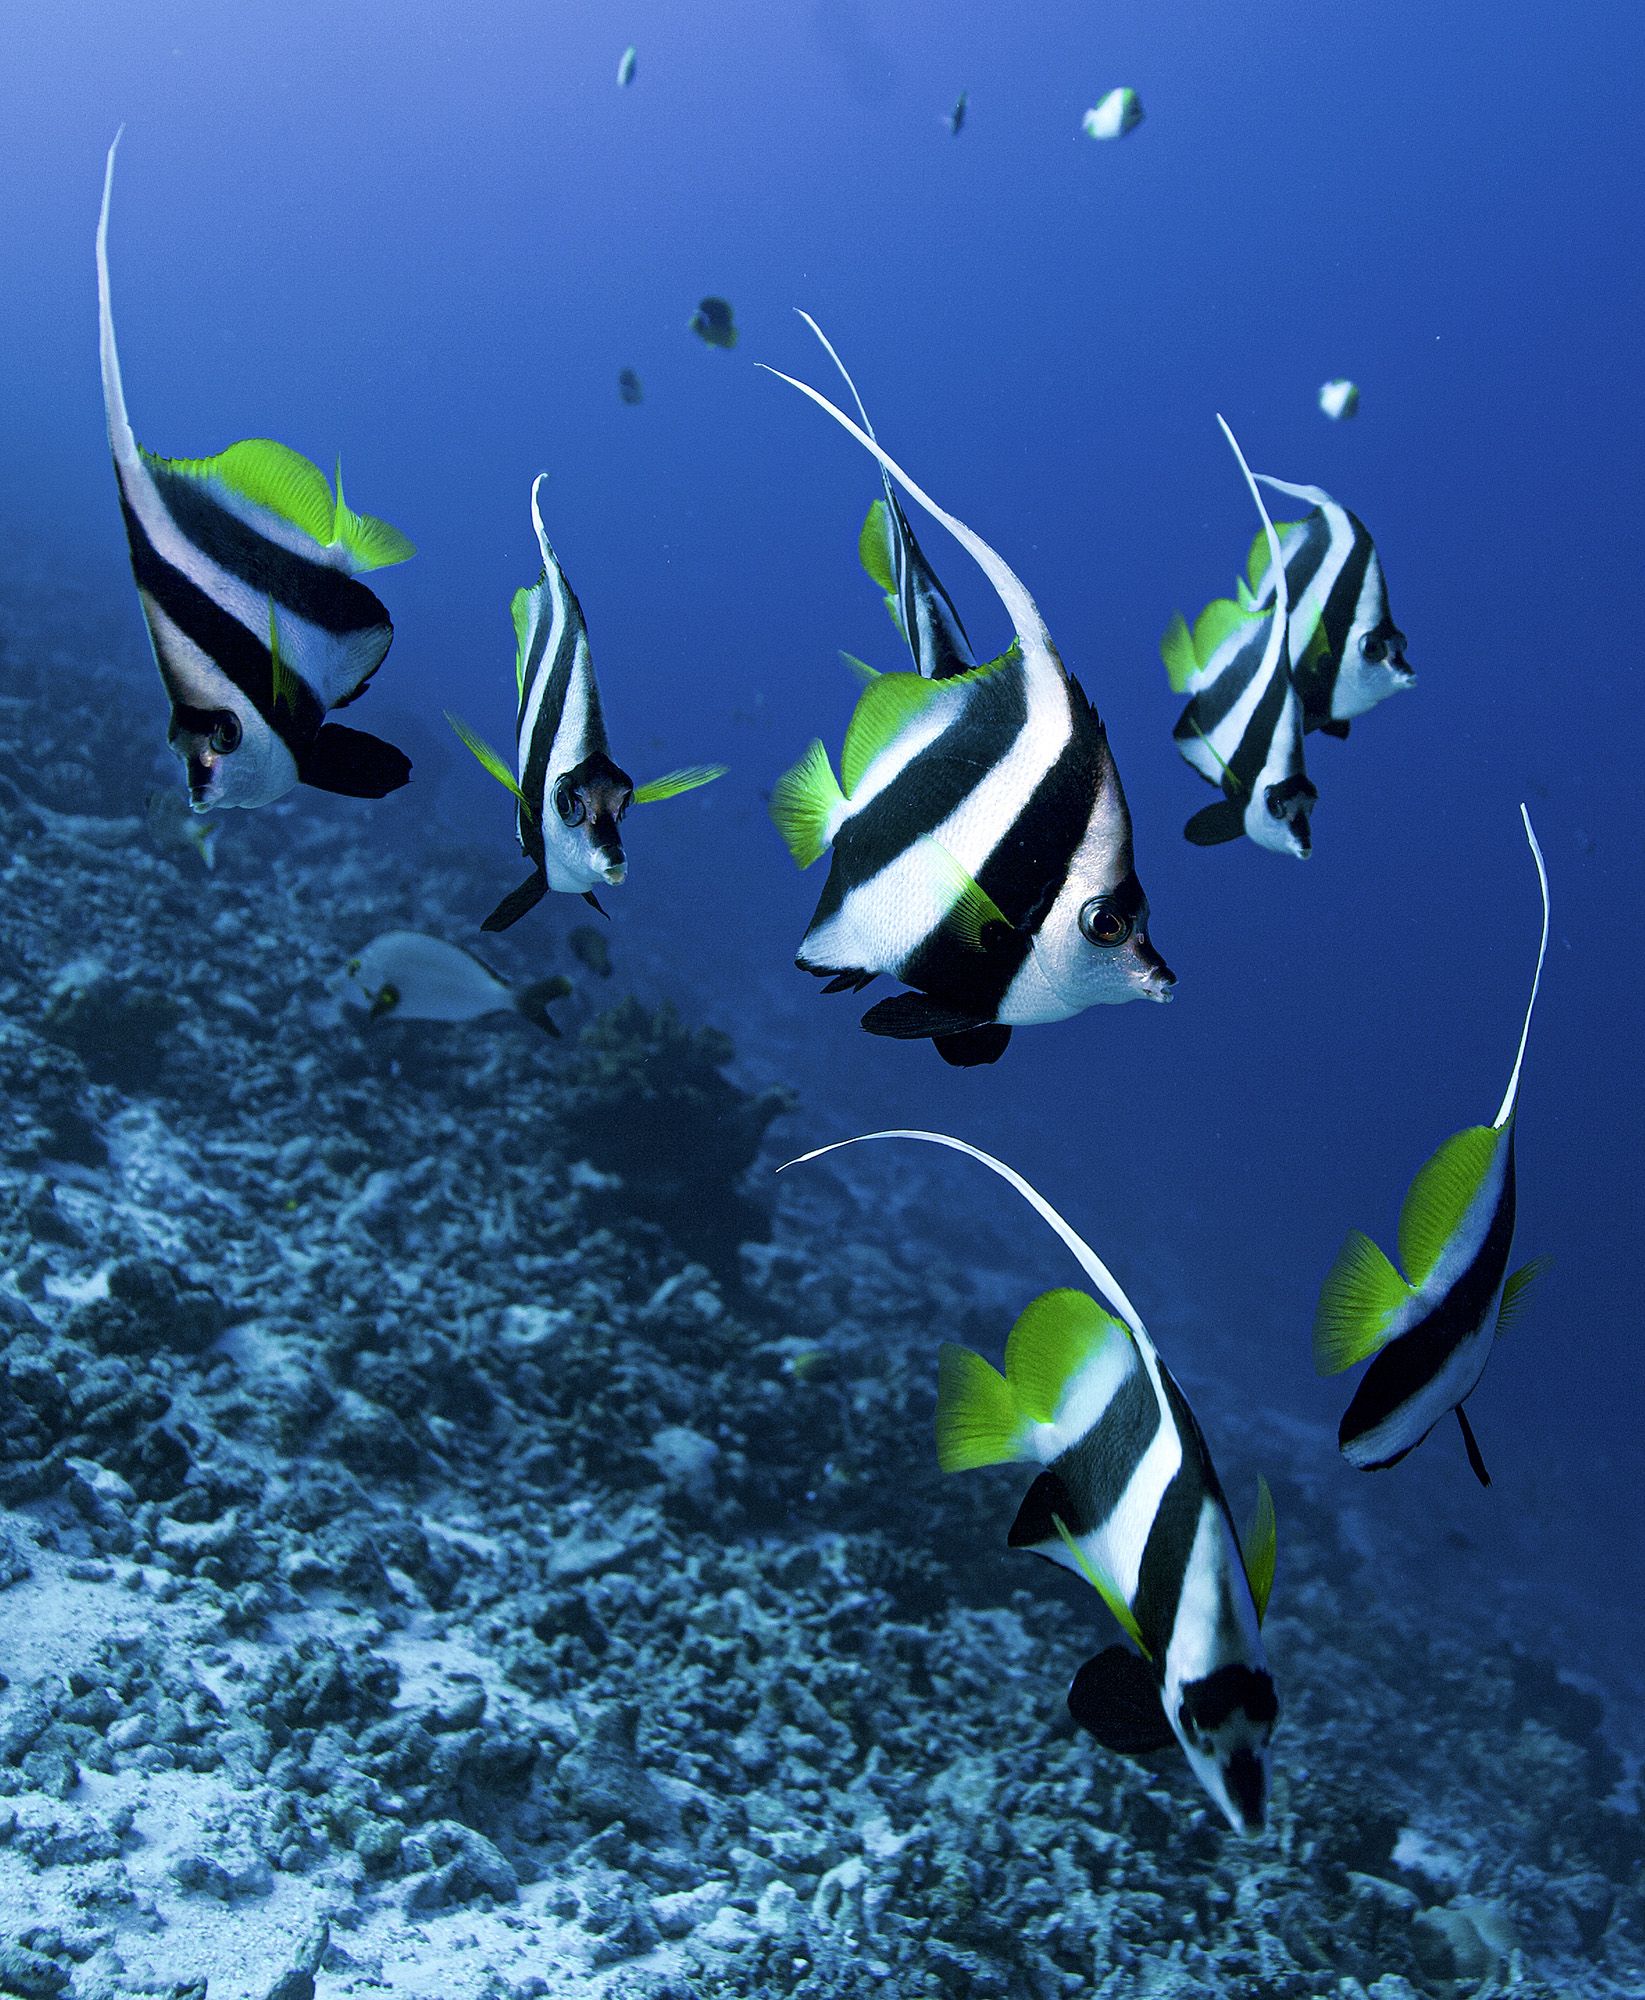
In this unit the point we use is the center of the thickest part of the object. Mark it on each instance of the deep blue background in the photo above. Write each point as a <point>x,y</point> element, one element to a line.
<point>431,242</point>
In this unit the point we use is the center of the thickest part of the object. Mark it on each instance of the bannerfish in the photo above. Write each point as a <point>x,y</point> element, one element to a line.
<point>981,840</point>
<point>1242,728</point>
<point>1119,112</point>
<point>415,977</point>
<point>712,322</point>
<point>629,387</point>
<point>956,117</point>
<point>247,572</point>
<point>590,950</point>
<point>1430,1332</point>
<point>920,608</point>
<point>1129,1500</point>
<point>1339,399</point>
<point>1347,653</point>
<point>570,797</point>
<point>627,63</point>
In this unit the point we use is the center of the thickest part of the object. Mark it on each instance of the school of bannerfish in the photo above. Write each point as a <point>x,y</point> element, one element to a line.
<point>982,855</point>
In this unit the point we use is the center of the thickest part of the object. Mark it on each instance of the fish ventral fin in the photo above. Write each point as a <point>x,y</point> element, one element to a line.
<point>672,783</point>
<point>1214,824</point>
<point>488,759</point>
<point>1361,1294</point>
<point>1470,1444</point>
<point>1513,1291</point>
<point>1260,1549</point>
<point>352,763</point>
<point>1115,1698</point>
<point>805,803</point>
<point>1441,1195</point>
<point>515,904</point>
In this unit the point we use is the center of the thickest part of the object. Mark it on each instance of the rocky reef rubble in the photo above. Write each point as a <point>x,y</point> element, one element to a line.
<point>455,1541</point>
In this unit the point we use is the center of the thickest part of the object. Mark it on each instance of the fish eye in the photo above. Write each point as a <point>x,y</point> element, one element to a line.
<point>225,735</point>
<point>1101,924</point>
<point>1373,649</point>
<point>568,804</point>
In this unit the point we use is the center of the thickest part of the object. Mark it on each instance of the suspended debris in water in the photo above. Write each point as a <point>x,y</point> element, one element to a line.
<point>628,387</point>
<point>956,117</point>
<point>712,322</point>
<point>1339,399</point>
<point>627,66</point>
<point>1118,113</point>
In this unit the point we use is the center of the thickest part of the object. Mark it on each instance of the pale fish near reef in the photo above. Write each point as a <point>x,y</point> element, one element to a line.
<point>414,977</point>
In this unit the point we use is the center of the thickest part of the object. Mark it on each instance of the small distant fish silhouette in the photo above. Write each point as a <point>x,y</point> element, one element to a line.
<point>628,387</point>
<point>171,823</point>
<point>1242,728</point>
<point>1431,1331</point>
<point>1339,399</point>
<point>627,64</point>
<point>415,977</point>
<point>1129,1500</point>
<point>956,117</point>
<point>1119,112</point>
<point>712,323</point>
<point>570,796</point>
<point>246,571</point>
<point>588,946</point>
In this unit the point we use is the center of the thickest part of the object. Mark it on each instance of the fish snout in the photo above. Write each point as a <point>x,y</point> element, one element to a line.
<point>1245,1779</point>
<point>1157,978</point>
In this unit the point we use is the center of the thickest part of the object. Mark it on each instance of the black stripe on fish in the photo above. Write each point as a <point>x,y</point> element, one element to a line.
<point>1092,1475</point>
<point>1171,1536</point>
<point>1212,704</point>
<point>1403,1369</point>
<point>239,654</point>
<point>325,597</point>
<point>934,783</point>
<point>561,606</point>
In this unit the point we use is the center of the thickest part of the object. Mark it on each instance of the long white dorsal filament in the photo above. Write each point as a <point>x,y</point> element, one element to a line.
<point>1512,1092</point>
<point>121,441</point>
<point>840,365</point>
<point>1012,591</point>
<point>1092,1265</point>
<point>1282,596</point>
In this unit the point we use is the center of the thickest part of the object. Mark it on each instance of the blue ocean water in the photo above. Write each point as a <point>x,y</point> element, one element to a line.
<point>430,238</point>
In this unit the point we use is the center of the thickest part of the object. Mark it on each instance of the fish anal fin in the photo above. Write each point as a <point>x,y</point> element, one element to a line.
<point>1043,1505</point>
<point>978,1421</point>
<point>1357,1303</point>
<point>1470,1444</point>
<point>1116,1699</point>
<point>913,1017</point>
<point>1442,1194</point>
<point>1055,1337</point>
<point>1259,1549</point>
<point>352,763</point>
<point>973,1047</point>
<point>1214,824</point>
<point>515,904</point>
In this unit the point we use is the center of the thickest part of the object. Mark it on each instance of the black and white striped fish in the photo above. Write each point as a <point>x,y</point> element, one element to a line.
<point>246,572</point>
<point>570,796</point>
<point>1129,1500</point>
<point>920,608</point>
<point>1242,728</point>
<point>1431,1330</point>
<point>982,843</point>
<point>1347,652</point>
